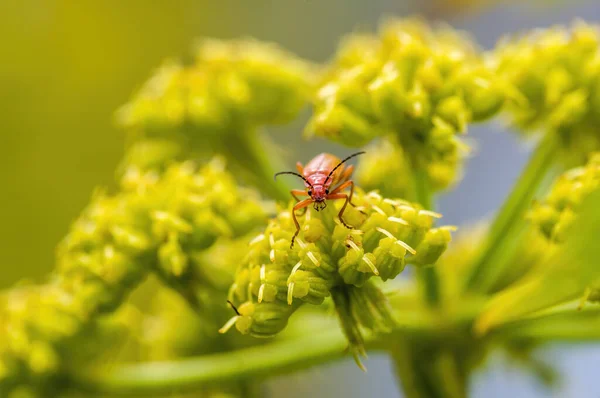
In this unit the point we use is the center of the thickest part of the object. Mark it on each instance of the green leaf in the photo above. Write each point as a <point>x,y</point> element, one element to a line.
<point>564,325</point>
<point>561,277</point>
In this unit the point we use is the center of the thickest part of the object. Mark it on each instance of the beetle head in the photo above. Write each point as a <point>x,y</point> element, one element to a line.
<point>318,193</point>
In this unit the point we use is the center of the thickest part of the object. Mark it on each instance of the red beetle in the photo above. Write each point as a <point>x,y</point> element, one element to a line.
<point>319,175</point>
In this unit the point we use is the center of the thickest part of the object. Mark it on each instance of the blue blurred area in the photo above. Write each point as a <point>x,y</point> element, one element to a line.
<point>66,66</point>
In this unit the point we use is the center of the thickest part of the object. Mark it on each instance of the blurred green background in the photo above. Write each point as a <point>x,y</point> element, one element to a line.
<point>66,66</point>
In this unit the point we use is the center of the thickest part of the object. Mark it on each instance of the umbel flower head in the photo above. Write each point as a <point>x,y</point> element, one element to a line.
<point>216,104</point>
<point>229,83</point>
<point>329,259</point>
<point>418,85</point>
<point>556,75</point>
<point>159,223</point>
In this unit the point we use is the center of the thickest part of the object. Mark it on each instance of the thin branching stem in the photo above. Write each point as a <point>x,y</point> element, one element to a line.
<point>488,267</point>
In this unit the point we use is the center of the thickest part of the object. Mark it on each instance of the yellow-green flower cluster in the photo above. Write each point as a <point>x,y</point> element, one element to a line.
<point>329,259</point>
<point>36,324</point>
<point>180,225</point>
<point>229,84</point>
<point>161,223</point>
<point>556,76</point>
<point>216,104</point>
<point>420,85</point>
<point>555,214</point>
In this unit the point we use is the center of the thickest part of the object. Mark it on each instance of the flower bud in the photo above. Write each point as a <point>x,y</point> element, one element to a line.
<point>307,286</point>
<point>340,124</point>
<point>431,247</point>
<point>172,258</point>
<point>262,320</point>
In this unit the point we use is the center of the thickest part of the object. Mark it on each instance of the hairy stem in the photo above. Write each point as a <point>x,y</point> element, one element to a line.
<point>428,277</point>
<point>488,267</point>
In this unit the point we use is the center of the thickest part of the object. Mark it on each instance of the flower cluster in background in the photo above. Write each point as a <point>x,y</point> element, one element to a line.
<point>555,74</point>
<point>227,84</point>
<point>418,86</point>
<point>559,210</point>
<point>216,104</point>
<point>556,213</point>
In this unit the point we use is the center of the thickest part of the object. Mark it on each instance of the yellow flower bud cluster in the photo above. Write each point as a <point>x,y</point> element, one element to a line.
<point>158,223</point>
<point>229,84</point>
<point>173,225</point>
<point>555,214</point>
<point>217,104</point>
<point>555,74</point>
<point>419,85</point>
<point>40,336</point>
<point>330,259</point>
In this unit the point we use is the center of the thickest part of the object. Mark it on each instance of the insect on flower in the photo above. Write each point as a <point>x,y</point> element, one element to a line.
<point>322,172</point>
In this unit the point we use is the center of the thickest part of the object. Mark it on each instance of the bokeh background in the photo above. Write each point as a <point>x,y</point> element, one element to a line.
<point>66,66</point>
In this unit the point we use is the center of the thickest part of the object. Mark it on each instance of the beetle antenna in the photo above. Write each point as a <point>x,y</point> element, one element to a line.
<point>233,307</point>
<point>341,163</point>
<point>295,174</point>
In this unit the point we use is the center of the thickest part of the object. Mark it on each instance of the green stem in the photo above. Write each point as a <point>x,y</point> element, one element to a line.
<point>190,374</point>
<point>250,154</point>
<point>568,325</point>
<point>488,267</point>
<point>427,372</point>
<point>317,346</point>
<point>428,277</point>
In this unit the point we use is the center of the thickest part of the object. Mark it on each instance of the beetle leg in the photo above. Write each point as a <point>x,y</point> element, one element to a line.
<point>300,205</point>
<point>300,168</point>
<point>346,174</point>
<point>299,192</point>
<point>341,196</point>
<point>350,184</point>
<point>343,176</point>
<point>343,186</point>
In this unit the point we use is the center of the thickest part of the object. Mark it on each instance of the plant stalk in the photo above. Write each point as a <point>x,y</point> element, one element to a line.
<point>253,363</point>
<point>428,276</point>
<point>427,372</point>
<point>190,374</point>
<point>488,267</point>
<point>252,154</point>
